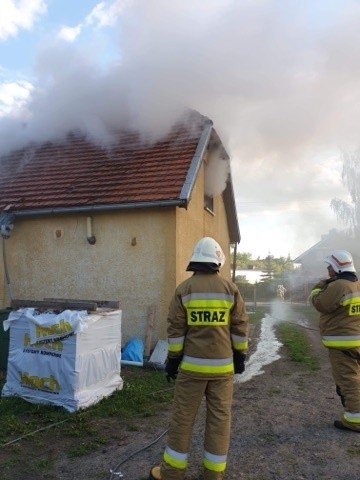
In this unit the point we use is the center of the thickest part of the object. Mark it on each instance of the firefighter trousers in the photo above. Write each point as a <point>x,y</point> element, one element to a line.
<point>345,366</point>
<point>189,392</point>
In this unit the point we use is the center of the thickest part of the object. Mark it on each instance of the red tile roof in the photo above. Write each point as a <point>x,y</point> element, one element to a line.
<point>79,173</point>
<point>76,174</point>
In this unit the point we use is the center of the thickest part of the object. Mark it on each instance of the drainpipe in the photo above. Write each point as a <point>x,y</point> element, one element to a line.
<point>89,229</point>
<point>5,229</point>
<point>7,276</point>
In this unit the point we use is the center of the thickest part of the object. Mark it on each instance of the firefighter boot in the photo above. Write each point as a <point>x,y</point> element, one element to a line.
<point>155,473</point>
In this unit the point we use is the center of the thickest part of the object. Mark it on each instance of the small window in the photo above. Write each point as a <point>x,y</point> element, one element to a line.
<point>209,203</point>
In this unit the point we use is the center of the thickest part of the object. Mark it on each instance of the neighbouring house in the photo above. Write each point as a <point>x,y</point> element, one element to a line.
<point>312,265</point>
<point>118,222</point>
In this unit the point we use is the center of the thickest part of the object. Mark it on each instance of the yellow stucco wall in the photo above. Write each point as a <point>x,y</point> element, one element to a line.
<point>139,257</point>
<point>42,265</point>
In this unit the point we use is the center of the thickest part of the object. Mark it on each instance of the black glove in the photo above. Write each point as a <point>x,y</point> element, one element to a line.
<point>239,361</point>
<point>171,368</point>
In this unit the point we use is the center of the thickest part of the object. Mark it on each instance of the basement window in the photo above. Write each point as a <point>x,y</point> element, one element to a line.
<point>209,204</point>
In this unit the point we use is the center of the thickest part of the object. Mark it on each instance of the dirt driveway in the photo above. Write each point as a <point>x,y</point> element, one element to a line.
<point>282,429</point>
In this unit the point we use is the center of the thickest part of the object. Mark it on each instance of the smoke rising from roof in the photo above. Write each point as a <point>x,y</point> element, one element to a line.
<point>279,79</point>
<point>216,174</point>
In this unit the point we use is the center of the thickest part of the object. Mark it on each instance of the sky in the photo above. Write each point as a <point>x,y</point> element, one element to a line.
<point>279,79</point>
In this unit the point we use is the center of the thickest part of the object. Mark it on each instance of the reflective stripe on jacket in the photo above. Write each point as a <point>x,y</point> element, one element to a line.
<point>207,365</point>
<point>339,307</point>
<point>207,320</point>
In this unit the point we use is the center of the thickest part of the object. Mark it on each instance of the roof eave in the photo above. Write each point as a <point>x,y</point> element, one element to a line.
<point>36,212</point>
<point>196,162</point>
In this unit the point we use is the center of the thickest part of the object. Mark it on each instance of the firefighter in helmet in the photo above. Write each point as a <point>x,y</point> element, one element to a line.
<point>281,290</point>
<point>338,301</point>
<point>207,344</point>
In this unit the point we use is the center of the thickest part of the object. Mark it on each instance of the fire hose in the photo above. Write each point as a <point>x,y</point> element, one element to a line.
<point>116,473</point>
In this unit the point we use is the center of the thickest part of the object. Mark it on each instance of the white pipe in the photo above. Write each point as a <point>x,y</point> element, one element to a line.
<point>89,231</point>
<point>89,227</point>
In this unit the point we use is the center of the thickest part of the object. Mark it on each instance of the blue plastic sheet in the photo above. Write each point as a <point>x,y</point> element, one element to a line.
<point>133,350</point>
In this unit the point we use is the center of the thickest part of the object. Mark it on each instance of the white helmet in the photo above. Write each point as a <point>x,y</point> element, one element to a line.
<point>207,250</point>
<point>341,261</point>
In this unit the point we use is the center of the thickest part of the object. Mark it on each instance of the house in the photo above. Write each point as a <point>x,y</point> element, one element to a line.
<point>312,265</point>
<point>117,222</point>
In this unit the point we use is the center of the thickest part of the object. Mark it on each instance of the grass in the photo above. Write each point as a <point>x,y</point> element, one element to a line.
<point>27,427</point>
<point>291,334</point>
<point>295,339</point>
<point>141,395</point>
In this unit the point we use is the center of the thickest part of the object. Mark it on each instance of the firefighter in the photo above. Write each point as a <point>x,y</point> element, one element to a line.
<point>338,301</point>
<point>207,344</point>
<point>281,290</point>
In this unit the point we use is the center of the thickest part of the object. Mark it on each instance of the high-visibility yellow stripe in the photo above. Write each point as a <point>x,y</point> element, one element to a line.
<point>215,467</point>
<point>352,417</point>
<point>215,463</point>
<point>175,459</point>
<point>207,296</point>
<point>241,343</point>
<point>241,346</point>
<point>208,303</point>
<point>175,344</point>
<point>341,342</point>
<point>315,291</point>
<point>351,298</point>
<point>207,365</point>
<point>175,347</point>
<point>207,369</point>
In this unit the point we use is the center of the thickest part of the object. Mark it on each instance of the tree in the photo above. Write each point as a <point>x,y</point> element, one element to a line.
<point>268,268</point>
<point>279,266</point>
<point>244,260</point>
<point>349,213</point>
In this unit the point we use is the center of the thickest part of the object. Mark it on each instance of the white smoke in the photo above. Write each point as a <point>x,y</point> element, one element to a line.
<point>216,174</point>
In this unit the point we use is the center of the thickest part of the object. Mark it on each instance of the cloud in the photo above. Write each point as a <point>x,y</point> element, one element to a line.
<point>104,14</point>
<point>13,94</point>
<point>69,33</point>
<point>19,14</point>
